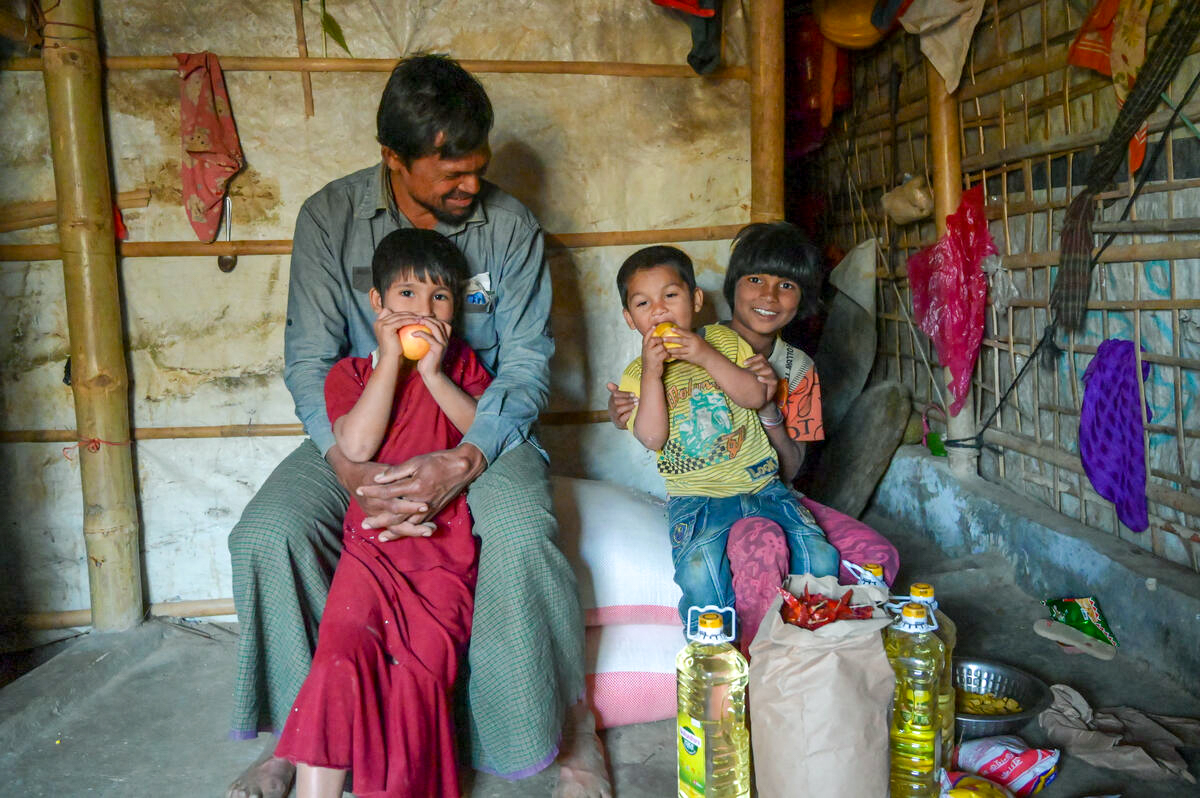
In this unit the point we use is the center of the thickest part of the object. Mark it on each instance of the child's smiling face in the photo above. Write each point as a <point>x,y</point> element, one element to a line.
<point>764,303</point>
<point>660,294</point>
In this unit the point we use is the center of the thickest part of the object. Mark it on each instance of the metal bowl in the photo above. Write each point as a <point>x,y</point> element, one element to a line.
<point>985,676</point>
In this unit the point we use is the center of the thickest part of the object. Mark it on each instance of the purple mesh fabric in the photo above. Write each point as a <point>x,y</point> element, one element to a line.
<point>1111,442</point>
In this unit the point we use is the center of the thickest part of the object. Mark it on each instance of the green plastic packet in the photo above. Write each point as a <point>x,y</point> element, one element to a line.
<point>1082,614</point>
<point>936,447</point>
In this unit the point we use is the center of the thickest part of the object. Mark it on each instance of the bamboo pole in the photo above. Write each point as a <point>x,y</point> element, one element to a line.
<point>63,619</point>
<point>302,51</point>
<point>100,385</point>
<point>234,63</point>
<point>766,110</point>
<point>180,249</point>
<point>24,215</point>
<point>945,148</point>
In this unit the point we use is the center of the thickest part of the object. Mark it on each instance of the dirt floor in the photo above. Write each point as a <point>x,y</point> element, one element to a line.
<point>144,713</point>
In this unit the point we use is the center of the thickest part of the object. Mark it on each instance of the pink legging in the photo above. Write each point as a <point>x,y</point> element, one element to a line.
<point>854,540</point>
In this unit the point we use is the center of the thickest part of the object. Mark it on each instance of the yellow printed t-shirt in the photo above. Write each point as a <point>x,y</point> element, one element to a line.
<point>799,392</point>
<point>714,447</point>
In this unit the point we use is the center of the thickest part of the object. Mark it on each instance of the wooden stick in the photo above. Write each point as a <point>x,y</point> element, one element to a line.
<point>100,385</point>
<point>19,30</point>
<point>63,619</point>
<point>233,63</point>
<point>555,418</point>
<point>23,215</point>
<point>766,110</point>
<point>1190,224</point>
<point>176,249</point>
<point>1132,253</point>
<point>302,49</point>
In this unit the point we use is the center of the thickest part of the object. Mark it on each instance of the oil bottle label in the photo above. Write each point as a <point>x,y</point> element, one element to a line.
<point>691,757</point>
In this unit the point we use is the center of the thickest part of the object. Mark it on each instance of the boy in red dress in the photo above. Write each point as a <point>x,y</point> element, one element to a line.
<point>378,700</point>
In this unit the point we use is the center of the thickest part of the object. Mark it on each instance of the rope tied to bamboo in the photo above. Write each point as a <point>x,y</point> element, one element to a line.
<point>1069,296</point>
<point>90,444</point>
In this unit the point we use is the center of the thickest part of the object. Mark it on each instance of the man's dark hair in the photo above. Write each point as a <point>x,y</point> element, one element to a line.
<point>427,95</point>
<point>648,258</point>
<point>779,249</point>
<point>424,255</point>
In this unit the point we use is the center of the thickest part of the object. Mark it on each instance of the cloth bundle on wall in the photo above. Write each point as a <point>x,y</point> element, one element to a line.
<point>946,30</point>
<point>212,153</point>
<point>1112,41</point>
<point>949,291</point>
<point>704,19</point>
<point>1112,448</point>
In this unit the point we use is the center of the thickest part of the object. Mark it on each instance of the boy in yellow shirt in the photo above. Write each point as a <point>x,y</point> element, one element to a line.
<point>698,408</point>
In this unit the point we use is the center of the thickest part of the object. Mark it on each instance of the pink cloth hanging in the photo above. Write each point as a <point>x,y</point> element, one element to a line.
<point>212,154</point>
<point>949,291</point>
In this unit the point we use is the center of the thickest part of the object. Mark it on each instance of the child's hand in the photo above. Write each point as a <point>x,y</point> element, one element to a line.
<point>387,332</point>
<point>620,405</point>
<point>766,375</point>
<point>438,337</point>
<point>691,348</point>
<point>654,354</point>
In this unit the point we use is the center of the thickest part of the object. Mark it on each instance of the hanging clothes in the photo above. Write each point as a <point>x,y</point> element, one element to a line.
<point>1111,433</point>
<point>1112,41</point>
<point>212,153</point>
<point>704,19</point>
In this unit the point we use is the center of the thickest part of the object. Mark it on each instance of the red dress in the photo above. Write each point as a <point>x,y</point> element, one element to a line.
<point>378,698</point>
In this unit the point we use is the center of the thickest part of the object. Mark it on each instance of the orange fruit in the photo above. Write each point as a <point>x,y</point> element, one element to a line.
<point>413,346</point>
<point>667,328</point>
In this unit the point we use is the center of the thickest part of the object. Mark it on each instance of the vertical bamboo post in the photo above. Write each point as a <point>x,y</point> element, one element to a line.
<point>944,145</point>
<point>72,75</point>
<point>766,110</point>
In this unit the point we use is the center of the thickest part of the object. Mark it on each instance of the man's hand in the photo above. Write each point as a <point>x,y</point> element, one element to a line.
<point>384,504</point>
<point>620,405</point>
<point>418,489</point>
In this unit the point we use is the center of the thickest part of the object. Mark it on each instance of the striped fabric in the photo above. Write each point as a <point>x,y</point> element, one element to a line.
<point>526,654</point>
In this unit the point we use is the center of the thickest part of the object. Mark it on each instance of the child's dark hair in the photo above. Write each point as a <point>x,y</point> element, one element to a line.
<point>779,249</point>
<point>426,255</point>
<point>648,258</point>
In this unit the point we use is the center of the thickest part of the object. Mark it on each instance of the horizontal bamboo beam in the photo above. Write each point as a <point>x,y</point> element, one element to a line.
<point>64,619</point>
<point>1131,253</point>
<point>1125,304</point>
<point>1190,224</point>
<point>23,215</point>
<point>555,418</point>
<point>1160,494</point>
<point>235,63</point>
<point>186,249</point>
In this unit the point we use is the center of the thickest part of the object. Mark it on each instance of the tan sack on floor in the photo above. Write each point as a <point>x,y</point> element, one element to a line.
<point>1120,738</point>
<point>819,701</point>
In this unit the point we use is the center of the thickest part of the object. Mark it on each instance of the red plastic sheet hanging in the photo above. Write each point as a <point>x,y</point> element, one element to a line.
<point>949,291</point>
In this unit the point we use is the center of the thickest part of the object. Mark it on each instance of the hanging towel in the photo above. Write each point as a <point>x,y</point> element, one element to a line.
<point>1112,41</point>
<point>1120,738</point>
<point>1111,444</point>
<point>946,30</point>
<point>212,153</point>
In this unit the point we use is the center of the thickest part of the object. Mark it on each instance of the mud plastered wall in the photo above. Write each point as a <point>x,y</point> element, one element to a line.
<point>585,153</point>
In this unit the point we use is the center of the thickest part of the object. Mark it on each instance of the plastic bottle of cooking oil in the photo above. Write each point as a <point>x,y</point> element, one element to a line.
<point>713,742</point>
<point>917,657</point>
<point>923,593</point>
<point>869,573</point>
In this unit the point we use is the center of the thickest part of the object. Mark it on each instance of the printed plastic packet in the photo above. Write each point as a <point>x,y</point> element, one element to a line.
<point>956,784</point>
<point>1008,761</point>
<point>1082,614</point>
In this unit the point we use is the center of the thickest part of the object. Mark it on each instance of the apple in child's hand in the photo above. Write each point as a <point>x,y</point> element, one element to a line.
<point>667,328</point>
<point>413,346</point>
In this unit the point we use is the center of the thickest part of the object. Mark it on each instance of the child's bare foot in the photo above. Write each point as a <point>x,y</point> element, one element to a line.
<point>267,777</point>
<point>583,773</point>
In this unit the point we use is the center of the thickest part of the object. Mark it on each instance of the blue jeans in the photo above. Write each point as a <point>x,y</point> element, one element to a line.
<point>700,528</point>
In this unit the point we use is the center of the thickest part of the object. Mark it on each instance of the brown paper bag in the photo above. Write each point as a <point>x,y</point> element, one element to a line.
<point>909,201</point>
<point>819,701</point>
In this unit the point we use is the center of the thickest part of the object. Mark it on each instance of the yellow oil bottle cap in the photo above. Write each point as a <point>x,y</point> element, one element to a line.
<point>874,568</point>
<point>912,611</point>
<point>710,621</point>
<point>921,590</point>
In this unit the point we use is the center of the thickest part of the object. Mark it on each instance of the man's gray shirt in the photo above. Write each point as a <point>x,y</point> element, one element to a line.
<point>505,319</point>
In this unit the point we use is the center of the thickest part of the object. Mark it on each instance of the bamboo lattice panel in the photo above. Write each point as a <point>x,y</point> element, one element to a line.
<point>1030,125</point>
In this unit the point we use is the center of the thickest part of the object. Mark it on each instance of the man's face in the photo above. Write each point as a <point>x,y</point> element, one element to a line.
<point>445,188</point>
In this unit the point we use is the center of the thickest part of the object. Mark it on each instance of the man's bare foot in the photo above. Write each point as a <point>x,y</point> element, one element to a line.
<point>582,773</point>
<point>267,777</point>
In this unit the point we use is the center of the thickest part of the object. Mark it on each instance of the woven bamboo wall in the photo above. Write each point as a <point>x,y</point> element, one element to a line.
<point>1030,124</point>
